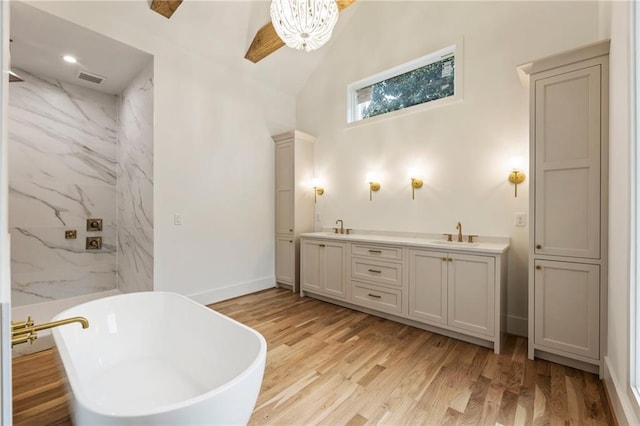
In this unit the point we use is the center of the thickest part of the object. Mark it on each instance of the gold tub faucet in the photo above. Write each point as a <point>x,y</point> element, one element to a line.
<point>27,331</point>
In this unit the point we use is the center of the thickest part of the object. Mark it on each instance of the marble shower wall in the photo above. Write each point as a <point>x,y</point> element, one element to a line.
<point>62,170</point>
<point>135,184</point>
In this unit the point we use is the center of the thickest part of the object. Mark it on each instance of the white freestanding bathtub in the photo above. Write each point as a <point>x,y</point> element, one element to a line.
<point>158,358</point>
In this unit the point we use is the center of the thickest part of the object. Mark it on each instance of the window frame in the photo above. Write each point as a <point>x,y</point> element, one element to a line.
<point>452,48</point>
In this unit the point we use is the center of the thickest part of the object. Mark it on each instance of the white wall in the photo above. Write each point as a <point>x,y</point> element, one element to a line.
<point>213,155</point>
<point>464,147</point>
<point>617,358</point>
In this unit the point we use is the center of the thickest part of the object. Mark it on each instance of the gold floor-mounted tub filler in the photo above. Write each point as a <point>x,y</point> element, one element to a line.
<point>27,331</point>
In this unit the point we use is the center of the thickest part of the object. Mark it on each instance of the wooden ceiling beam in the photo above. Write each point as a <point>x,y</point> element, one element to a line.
<point>165,7</point>
<point>266,40</point>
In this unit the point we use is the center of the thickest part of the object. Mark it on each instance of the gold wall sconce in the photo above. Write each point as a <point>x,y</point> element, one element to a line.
<point>317,189</point>
<point>416,183</point>
<point>517,175</point>
<point>374,184</point>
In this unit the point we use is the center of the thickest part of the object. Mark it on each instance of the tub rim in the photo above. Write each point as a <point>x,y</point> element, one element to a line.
<point>73,379</point>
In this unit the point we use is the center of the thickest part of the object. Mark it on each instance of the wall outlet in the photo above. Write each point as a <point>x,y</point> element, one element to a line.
<point>177,219</point>
<point>521,219</point>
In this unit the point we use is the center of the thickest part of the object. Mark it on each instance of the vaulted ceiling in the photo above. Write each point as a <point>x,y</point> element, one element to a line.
<point>220,30</point>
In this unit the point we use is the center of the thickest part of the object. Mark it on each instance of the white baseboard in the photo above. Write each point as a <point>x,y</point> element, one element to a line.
<point>235,290</point>
<point>517,326</point>
<point>620,403</point>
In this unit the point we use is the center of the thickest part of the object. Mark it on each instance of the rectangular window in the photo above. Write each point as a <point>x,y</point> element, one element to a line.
<point>423,80</point>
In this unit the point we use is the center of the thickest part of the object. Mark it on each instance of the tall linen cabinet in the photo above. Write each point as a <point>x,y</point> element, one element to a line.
<point>294,158</point>
<point>568,205</point>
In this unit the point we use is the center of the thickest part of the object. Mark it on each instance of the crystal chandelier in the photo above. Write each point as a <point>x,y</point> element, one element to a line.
<point>304,24</point>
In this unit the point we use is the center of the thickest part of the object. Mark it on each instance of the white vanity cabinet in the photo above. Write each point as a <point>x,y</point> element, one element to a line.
<point>459,292</point>
<point>428,286</point>
<point>453,289</point>
<point>471,291</point>
<point>568,206</point>
<point>294,153</point>
<point>323,268</point>
<point>377,280</point>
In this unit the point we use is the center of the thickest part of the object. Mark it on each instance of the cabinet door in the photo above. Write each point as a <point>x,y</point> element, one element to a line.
<point>312,260</point>
<point>284,188</point>
<point>471,298</point>
<point>285,260</point>
<point>567,164</point>
<point>334,282</point>
<point>428,286</point>
<point>567,313</point>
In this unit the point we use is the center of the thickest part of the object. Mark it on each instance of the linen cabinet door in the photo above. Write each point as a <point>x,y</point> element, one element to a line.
<point>428,286</point>
<point>567,307</point>
<point>471,286</point>
<point>285,259</point>
<point>567,164</point>
<point>284,188</point>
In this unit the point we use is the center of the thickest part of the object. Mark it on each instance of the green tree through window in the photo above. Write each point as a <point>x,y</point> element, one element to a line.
<point>424,84</point>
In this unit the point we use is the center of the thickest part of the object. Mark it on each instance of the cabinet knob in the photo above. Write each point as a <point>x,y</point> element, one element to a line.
<point>538,267</point>
<point>444,259</point>
<point>538,246</point>
<point>290,241</point>
<point>449,260</point>
<point>321,245</point>
<point>290,230</point>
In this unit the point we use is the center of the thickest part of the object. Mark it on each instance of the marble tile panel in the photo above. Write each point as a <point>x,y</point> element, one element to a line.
<point>41,249</point>
<point>135,204</point>
<point>62,170</point>
<point>135,184</point>
<point>61,131</point>
<point>69,104</point>
<point>135,261</point>
<point>53,284</point>
<point>54,204</point>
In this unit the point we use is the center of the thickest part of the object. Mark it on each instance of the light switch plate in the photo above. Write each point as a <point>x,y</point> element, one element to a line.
<point>177,219</point>
<point>521,219</point>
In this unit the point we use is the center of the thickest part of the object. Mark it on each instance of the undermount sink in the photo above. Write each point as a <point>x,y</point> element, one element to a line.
<point>453,243</point>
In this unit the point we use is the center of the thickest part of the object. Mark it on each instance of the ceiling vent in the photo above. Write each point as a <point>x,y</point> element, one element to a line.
<point>92,78</point>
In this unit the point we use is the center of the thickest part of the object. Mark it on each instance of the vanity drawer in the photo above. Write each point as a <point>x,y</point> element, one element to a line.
<point>376,251</point>
<point>375,297</point>
<point>378,271</point>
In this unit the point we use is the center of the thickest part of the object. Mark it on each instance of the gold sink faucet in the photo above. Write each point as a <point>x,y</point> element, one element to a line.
<point>26,331</point>
<point>341,225</point>
<point>459,228</point>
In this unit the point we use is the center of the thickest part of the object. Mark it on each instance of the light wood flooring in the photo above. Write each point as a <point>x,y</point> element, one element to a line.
<point>331,365</point>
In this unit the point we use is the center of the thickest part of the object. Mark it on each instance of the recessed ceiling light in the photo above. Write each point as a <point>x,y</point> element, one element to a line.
<point>70,59</point>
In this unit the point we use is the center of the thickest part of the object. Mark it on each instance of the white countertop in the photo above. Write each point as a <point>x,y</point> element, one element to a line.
<point>494,245</point>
